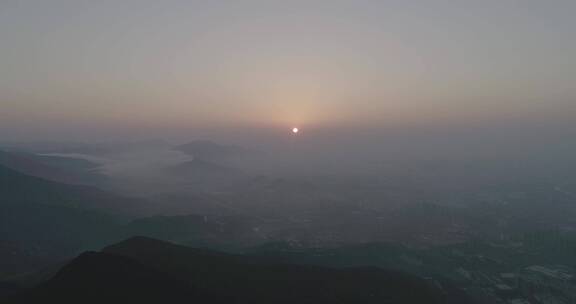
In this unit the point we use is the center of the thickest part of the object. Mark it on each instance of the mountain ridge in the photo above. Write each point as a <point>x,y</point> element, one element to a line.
<point>152,271</point>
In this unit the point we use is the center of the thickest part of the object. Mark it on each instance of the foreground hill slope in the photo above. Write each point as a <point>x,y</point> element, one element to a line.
<point>143,270</point>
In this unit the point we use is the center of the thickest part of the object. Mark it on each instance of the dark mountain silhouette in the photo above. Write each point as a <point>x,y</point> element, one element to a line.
<point>15,258</point>
<point>151,271</point>
<point>95,277</point>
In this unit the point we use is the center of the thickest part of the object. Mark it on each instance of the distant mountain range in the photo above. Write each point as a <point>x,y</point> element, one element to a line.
<point>23,189</point>
<point>54,219</point>
<point>55,147</point>
<point>55,168</point>
<point>144,270</point>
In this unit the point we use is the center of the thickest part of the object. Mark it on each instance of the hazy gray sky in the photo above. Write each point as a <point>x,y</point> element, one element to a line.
<point>74,66</point>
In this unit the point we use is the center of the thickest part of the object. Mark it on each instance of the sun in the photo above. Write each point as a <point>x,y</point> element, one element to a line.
<point>295,130</point>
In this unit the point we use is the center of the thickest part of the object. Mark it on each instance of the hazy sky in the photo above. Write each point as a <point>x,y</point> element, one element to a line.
<point>118,66</point>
